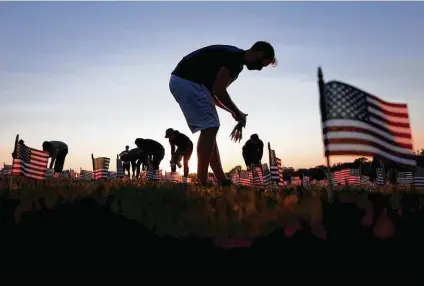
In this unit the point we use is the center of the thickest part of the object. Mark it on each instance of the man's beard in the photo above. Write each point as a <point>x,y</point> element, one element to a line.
<point>254,66</point>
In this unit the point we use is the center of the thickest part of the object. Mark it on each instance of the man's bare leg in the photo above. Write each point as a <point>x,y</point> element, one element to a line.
<point>216,165</point>
<point>205,146</point>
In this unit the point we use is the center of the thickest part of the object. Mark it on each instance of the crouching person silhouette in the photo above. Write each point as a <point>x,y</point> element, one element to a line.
<point>137,157</point>
<point>253,151</point>
<point>184,150</point>
<point>57,151</point>
<point>153,149</point>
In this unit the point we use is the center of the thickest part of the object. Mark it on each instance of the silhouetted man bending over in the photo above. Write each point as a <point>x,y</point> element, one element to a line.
<point>153,149</point>
<point>185,149</point>
<point>57,151</point>
<point>253,150</point>
<point>200,81</point>
<point>137,157</point>
<point>125,160</point>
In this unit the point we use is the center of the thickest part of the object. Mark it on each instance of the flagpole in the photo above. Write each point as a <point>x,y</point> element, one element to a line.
<point>13,161</point>
<point>322,102</point>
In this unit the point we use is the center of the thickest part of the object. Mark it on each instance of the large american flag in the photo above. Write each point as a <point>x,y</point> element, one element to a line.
<point>358,123</point>
<point>419,177</point>
<point>101,168</point>
<point>7,170</point>
<point>245,178</point>
<point>29,162</point>
<point>85,175</point>
<point>276,168</point>
<point>404,178</point>
<point>350,176</point>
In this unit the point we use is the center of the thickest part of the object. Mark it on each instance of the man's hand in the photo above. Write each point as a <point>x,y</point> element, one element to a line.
<point>240,117</point>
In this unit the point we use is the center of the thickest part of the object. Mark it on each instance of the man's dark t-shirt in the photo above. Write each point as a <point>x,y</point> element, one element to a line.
<point>181,141</point>
<point>202,66</point>
<point>151,147</point>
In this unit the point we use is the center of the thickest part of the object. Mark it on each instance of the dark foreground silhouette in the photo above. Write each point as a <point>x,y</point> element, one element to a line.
<point>87,227</point>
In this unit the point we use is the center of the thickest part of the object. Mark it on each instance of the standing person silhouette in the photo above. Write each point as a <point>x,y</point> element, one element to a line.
<point>125,160</point>
<point>185,149</point>
<point>199,83</point>
<point>153,149</point>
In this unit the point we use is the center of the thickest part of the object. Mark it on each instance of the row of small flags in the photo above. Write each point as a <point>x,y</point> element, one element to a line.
<point>29,162</point>
<point>261,175</point>
<point>32,163</point>
<point>353,177</point>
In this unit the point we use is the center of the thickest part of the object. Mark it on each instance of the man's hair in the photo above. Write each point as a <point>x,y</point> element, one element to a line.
<point>265,47</point>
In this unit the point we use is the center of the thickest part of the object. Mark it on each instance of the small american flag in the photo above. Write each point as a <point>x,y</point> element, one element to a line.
<point>419,177</point>
<point>65,174</point>
<point>212,179</point>
<point>257,176</point>
<point>101,168</point>
<point>365,181</point>
<point>350,176</point>
<point>295,181</point>
<point>235,178</point>
<point>7,170</point>
<point>266,174</point>
<point>172,177</point>
<point>29,162</point>
<point>86,175</point>
<point>112,175</point>
<point>245,178</point>
<point>330,179</point>
<point>404,178</point>
<point>49,173</point>
<point>154,175</point>
<point>276,168</point>
<point>119,168</point>
<point>379,180</point>
<point>306,181</point>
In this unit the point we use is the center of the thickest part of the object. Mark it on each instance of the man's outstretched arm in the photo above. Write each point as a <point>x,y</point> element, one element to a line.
<point>219,90</point>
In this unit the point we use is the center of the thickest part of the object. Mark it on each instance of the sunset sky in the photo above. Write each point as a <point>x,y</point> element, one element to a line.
<point>95,75</point>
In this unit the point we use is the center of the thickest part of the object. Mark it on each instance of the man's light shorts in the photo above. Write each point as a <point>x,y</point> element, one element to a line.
<point>196,103</point>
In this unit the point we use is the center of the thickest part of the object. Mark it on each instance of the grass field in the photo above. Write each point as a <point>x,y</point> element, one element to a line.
<point>224,217</point>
